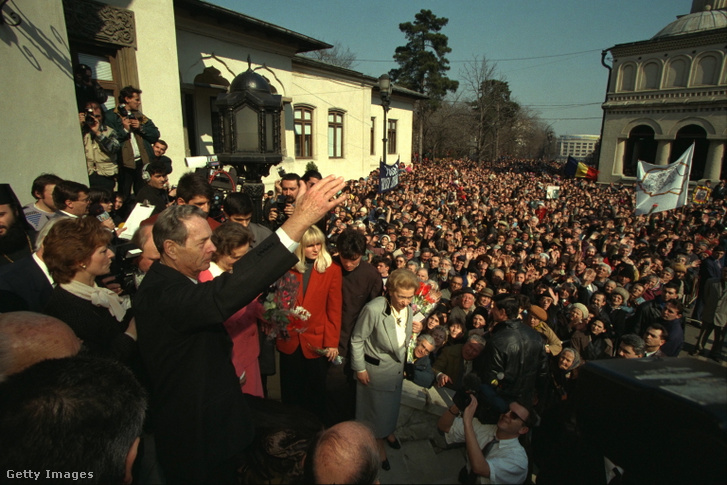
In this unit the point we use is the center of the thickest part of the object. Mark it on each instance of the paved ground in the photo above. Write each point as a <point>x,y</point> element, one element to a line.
<point>418,463</point>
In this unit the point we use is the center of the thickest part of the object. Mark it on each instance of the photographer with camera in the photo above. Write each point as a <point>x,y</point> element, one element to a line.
<point>101,145</point>
<point>286,191</point>
<point>87,89</point>
<point>137,134</point>
<point>494,453</point>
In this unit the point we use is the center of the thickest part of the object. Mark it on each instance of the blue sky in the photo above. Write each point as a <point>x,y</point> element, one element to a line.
<point>526,39</point>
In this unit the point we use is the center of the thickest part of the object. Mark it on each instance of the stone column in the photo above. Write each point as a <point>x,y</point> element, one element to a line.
<point>715,154</point>
<point>618,159</point>
<point>663,151</point>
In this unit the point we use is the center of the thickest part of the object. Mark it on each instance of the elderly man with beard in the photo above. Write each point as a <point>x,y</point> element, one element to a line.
<point>16,235</point>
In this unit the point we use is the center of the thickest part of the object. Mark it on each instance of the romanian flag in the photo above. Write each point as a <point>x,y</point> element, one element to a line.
<point>574,168</point>
<point>584,171</point>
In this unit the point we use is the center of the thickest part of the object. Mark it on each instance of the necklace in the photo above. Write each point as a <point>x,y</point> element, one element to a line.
<point>30,246</point>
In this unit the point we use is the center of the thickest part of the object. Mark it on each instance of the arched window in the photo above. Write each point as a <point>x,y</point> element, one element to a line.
<point>303,131</point>
<point>706,71</point>
<point>628,77</point>
<point>676,74</point>
<point>651,75</point>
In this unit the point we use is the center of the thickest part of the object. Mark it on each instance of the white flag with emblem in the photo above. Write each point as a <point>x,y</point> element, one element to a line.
<point>662,188</point>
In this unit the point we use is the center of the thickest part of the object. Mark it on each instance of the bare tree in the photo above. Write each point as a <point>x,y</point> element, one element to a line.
<point>488,95</point>
<point>338,55</point>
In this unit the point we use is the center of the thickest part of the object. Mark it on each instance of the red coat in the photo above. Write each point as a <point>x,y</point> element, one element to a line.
<point>324,301</point>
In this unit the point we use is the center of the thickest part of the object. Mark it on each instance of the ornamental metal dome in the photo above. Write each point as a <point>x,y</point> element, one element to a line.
<point>250,80</point>
<point>694,22</point>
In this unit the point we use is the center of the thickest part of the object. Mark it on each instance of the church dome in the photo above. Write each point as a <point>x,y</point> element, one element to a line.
<point>694,22</point>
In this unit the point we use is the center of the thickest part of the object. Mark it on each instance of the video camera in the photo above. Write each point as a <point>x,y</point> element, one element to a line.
<point>124,268</point>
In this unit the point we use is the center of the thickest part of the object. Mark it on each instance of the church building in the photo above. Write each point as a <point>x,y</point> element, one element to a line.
<point>666,93</point>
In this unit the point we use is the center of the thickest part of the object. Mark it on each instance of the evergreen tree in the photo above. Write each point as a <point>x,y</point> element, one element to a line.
<point>422,62</point>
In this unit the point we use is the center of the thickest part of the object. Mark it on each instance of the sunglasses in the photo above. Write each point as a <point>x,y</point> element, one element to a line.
<point>514,415</point>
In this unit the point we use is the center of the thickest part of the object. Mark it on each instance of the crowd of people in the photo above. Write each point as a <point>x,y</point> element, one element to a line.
<point>526,288</point>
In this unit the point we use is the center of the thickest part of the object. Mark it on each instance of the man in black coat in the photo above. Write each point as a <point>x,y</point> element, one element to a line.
<point>513,363</point>
<point>27,283</point>
<point>361,284</point>
<point>201,421</point>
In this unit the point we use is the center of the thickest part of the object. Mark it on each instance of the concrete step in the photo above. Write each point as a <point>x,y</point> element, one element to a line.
<point>416,463</point>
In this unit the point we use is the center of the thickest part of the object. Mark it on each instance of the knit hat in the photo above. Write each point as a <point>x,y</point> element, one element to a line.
<point>620,290</point>
<point>582,308</point>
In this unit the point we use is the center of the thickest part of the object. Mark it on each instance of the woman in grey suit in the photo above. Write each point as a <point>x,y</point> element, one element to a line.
<point>378,355</point>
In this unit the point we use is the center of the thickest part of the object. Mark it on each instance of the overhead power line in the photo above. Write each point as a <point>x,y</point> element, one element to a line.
<point>499,60</point>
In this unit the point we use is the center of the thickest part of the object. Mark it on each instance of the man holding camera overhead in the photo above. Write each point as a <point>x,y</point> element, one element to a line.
<point>137,133</point>
<point>494,452</point>
<point>101,145</point>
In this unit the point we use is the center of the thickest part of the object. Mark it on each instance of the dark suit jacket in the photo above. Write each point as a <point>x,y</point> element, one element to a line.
<point>323,300</point>
<point>450,362</point>
<point>360,286</point>
<point>202,420</point>
<point>101,333</point>
<point>26,281</point>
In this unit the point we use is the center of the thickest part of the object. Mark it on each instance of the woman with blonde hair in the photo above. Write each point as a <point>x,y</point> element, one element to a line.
<point>302,370</point>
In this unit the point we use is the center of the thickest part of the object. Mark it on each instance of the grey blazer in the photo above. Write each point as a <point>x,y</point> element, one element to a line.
<point>374,339</point>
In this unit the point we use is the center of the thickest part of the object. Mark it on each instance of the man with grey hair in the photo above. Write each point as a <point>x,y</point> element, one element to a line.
<point>456,361</point>
<point>631,346</point>
<point>202,422</point>
<point>419,368</point>
<point>344,453</point>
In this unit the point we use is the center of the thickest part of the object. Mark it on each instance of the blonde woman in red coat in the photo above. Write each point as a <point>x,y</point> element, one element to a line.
<point>305,356</point>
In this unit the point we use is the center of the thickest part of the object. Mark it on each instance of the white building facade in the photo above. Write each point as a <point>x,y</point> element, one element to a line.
<point>577,146</point>
<point>181,54</point>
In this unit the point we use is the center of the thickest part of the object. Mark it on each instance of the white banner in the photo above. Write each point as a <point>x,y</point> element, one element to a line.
<point>662,188</point>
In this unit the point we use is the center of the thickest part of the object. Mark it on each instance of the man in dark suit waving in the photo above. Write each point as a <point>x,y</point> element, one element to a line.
<point>202,423</point>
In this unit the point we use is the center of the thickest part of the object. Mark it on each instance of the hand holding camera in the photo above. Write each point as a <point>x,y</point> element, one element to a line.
<point>462,398</point>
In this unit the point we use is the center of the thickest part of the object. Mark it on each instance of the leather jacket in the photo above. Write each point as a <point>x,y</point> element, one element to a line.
<point>514,362</point>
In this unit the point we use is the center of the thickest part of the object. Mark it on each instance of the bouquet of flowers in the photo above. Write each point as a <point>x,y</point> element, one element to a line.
<point>322,352</point>
<point>425,299</point>
<point>280,313</point>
